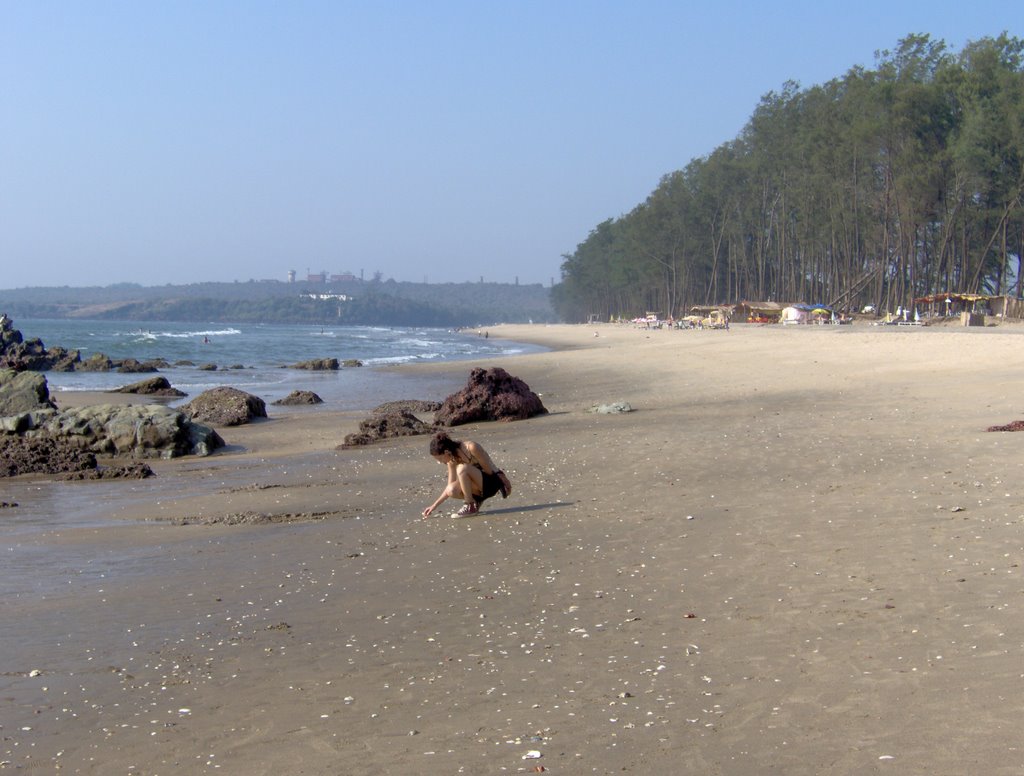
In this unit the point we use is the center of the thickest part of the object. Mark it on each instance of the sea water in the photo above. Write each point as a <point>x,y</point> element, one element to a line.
<point>37,559</point>
<point>255,357</point>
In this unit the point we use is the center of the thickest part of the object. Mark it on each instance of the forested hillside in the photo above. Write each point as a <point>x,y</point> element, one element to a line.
<point>877,187</point>
<point>375,302</point>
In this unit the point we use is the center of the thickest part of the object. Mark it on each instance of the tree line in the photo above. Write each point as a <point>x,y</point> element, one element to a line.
<point>878,187</point>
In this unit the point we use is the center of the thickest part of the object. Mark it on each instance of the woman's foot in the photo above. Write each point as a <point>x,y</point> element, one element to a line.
<point>469,508</point>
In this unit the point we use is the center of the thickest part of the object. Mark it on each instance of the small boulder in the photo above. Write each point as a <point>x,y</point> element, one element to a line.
<point>225,406</point>
<point>386,426</point>
<point>299,398</point>
<point>408,405</point>
<point>318,364</point>
<point>131,365</point>
<point>97,362</point>
<point>491,394</point>
<point>153,386</point>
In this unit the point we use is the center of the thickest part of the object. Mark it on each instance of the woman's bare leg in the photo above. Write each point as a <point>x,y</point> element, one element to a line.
<point>471,481</point>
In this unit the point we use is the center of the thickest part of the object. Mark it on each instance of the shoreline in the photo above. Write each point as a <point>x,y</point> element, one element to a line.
<point>800,553</point>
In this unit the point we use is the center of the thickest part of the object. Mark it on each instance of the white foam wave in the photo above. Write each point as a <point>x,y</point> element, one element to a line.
<point>403,359</point>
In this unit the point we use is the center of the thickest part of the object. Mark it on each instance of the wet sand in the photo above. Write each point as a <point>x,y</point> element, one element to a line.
<point>799,554</point>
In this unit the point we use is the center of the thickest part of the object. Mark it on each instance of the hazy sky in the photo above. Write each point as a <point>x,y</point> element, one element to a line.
<point>168,142</point>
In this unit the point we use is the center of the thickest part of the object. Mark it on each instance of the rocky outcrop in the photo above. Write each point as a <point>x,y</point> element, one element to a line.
<point>52,442</point>
<point>133,431</point>
<point>56,456</point>
<point>225,406</point>
<point>318,364</point>
<point>153,386</point>
<point>387,426</point>
<point>133,366</point>
<point>23,392</point>
<point>491,394</point>
<point>31,355</point>
<point>297,398</point>
<point>97,362</point>
<point>42,455</point>
<point>408,405</point>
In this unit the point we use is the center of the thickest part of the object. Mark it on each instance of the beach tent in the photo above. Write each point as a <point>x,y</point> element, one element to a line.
<point>793,315</point>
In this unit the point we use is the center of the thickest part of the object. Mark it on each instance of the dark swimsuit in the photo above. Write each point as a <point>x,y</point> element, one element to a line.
<point>492,484</point>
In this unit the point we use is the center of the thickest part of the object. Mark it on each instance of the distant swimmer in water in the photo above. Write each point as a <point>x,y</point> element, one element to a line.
<point>206,340</point>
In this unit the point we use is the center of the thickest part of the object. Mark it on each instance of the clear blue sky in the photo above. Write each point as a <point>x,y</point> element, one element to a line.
<point>177,141</point>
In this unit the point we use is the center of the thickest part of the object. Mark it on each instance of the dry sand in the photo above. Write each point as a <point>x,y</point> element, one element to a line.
<point>798,555</point>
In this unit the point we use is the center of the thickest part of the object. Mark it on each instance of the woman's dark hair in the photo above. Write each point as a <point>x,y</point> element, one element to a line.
<point>441,443</point>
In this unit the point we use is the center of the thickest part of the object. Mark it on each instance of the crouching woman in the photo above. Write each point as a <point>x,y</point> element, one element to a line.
<point>472,475</point>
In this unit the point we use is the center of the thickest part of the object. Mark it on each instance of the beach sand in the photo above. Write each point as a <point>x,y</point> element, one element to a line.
<point>799,554</point>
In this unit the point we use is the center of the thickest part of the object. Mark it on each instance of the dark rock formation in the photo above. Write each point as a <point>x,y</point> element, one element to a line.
<point>298,398</point>
<point>153,386</point>
<point>31,355</point>
<point>349,362</point>
<point>43,455</point>
<point>23,392</point>
<point>317,364</point>
<point>208,367</point>
<point>386,426</point>
<point>132,366</point>
<point>62,360</point>
<point>1015,425</point>
<point>491,394</point>
<point>408,405</point>
<point>97,362</point>
<point>225,406</point>
<point>130,471</point>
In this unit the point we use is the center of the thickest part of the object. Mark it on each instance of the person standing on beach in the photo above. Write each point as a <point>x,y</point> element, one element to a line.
<point>472,475</point>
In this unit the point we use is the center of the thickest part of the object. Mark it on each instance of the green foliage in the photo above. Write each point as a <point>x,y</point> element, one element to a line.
<point>874,188</point>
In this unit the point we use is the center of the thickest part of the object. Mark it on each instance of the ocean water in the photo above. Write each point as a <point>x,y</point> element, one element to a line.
<point>38,558</point>
<point>251,356</point>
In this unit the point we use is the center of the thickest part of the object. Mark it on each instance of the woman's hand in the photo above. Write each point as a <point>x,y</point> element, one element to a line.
<point>428,510</point>
<point>506,482</point>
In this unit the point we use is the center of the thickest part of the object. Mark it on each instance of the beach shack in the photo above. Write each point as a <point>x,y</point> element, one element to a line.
<point>758,312</point>
<point>947,305</point>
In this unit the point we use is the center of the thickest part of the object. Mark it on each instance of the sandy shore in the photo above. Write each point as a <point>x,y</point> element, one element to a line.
<point>800,554</point>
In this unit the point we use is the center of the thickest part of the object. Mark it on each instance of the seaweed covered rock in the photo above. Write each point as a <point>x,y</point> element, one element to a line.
<point>491,394</point>
<point>298,398</point>
<point>225,406</point>
<point>386,426</point>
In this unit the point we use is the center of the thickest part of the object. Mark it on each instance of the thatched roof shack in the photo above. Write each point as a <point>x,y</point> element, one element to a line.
<point>704,310</point>
<point>757,312</point>
<point>952,305</point>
